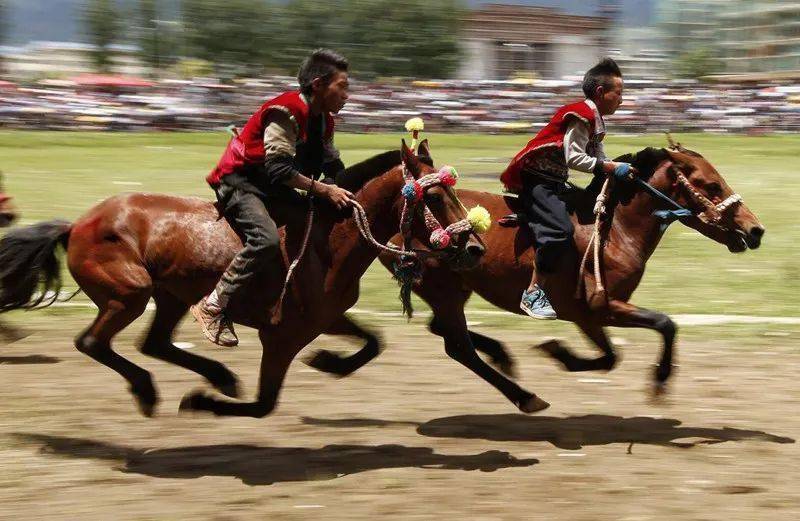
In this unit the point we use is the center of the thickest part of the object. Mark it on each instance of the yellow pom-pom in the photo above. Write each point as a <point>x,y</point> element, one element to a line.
<point>480,219</point>
<point>415,124</point>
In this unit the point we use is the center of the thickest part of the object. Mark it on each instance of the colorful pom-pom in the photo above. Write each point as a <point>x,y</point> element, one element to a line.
<point>480,219</point>
<point>449,170</point>
<point>412,191</point>
<point>440,239</point>
<point>447,178</point>
<point>415,124</point>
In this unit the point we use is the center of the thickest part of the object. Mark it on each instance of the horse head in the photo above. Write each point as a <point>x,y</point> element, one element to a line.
<point>718,212</point>
<point>434,216</point>
<point>7,212</point>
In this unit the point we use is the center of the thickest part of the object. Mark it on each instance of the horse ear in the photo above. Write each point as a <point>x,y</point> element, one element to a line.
<point>410,159</point>
<point>424,153</point>
<point>424,148</point>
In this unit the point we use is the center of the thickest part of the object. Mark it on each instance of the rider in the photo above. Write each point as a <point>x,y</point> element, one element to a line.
<point>289,142</point>
<point>572,139</point>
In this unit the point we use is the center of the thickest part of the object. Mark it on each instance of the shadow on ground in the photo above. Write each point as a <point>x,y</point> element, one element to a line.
<point>569,433</point>
<point>28,359</point>
<point>256,465</point>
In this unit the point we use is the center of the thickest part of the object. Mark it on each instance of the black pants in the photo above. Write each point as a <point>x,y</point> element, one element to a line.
<point>248,215</point>
<point>548,220</point>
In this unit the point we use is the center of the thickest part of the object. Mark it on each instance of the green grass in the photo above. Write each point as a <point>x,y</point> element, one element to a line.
<point>63,174</point>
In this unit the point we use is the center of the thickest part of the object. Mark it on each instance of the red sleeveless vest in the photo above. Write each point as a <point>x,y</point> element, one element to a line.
<point>552,135</point>
<point>247,148</point>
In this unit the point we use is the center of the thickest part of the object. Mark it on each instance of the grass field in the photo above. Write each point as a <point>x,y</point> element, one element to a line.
<point>63,174</point>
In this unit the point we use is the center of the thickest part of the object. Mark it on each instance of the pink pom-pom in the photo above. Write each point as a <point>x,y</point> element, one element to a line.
<point>447,178</point>
<point>440,239</point>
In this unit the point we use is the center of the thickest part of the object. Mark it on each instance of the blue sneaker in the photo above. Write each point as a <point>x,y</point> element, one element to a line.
<point>536,305</point>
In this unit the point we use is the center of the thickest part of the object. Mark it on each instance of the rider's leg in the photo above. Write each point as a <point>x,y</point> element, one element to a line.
<point>249,216</point>
<point>552,230</point>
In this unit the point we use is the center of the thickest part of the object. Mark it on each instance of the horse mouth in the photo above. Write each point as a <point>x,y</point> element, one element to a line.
<point>737,243</point>
<point>6,219</point>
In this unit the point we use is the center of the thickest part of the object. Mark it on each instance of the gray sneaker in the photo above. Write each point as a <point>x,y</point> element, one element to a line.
<point>536,305</point>
<point>215,325</point>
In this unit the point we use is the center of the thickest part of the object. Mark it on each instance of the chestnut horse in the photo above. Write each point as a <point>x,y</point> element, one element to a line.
<point>134,247</point>
<point>629,240</point>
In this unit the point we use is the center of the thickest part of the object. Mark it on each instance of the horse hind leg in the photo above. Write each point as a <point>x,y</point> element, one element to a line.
<point>158,344</point>
<point>337,364</point>
<point>576,363</point>
<point>114,315</point>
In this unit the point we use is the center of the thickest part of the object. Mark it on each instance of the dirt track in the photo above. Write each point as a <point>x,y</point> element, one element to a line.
<point>413,436</point>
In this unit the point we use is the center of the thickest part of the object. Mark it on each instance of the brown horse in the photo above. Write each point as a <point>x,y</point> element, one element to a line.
<point>131,248</point>
<point>630,239</point>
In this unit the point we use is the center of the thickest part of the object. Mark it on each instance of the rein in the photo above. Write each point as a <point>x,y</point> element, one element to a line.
<point>413,193</point>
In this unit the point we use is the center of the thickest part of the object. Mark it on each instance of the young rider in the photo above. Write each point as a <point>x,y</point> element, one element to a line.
<point>571,140</point>
<point>288,142</point>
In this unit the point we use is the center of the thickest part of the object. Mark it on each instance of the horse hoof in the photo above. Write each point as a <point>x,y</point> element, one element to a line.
<point>195,401</point>
<point>327,362</point>
<point>148,409</point>
<point>659,390</point>
<point>533,404</point>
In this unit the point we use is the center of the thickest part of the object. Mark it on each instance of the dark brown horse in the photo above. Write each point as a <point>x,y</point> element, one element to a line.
<point>630,239</point>
<point>131,248</point>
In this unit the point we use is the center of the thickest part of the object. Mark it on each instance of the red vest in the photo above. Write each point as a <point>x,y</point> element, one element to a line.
<point>247,148</point>
<point>552,135</point>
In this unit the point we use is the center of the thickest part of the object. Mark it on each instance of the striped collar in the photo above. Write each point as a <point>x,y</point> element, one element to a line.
<point>599,124</point>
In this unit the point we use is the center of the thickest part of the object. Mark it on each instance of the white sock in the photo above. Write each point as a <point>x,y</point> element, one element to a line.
<point>213,300</point>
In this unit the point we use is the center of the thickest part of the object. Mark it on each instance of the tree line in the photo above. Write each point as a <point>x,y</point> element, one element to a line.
<point>246,37</point>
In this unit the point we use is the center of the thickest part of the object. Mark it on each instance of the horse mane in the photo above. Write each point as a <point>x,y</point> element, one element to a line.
<point>356,176</point>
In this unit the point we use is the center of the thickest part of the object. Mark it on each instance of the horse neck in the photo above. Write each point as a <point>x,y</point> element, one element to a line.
<point>634,223</point>
<point>381,201</point>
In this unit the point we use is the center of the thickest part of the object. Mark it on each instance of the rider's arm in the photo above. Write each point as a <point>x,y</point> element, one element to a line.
<point>575,141</point>
<point>280,137</point>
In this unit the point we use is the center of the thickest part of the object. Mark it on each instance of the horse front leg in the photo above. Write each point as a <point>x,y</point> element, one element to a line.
<point>452,327</point>
<point>337,364</point>
<point>278,353</point>
<point>624,314</point>
<point>575,363</point>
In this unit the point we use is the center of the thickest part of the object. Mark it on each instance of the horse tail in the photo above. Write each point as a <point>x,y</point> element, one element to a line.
<point>29,260</point>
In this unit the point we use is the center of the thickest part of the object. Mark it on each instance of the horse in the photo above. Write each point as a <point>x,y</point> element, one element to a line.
<point>134,247</point>
<point>631,236</point>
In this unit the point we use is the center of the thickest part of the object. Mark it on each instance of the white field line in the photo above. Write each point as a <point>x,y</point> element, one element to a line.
<point>681,320</point>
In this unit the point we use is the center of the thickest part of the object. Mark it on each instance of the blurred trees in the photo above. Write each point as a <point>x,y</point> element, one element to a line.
<point>697,62</point>
<point>379,37</point>
<point>3,21</point>
<point>101,20</point>
<point>157,38</point>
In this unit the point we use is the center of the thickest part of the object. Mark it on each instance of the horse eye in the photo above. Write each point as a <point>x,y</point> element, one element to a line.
<point>433,198</point>
<point>713,189</point>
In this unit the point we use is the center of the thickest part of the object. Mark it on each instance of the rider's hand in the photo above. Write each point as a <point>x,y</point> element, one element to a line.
<point>339,197</point>
<point>623,171</point>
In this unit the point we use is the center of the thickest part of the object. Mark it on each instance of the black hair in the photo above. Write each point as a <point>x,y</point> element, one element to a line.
<point>601,75</point>
<point>322,63</point>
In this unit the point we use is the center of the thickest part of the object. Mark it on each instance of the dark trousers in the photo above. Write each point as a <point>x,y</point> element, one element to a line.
<point>548,220</point>
<point>248,215</point>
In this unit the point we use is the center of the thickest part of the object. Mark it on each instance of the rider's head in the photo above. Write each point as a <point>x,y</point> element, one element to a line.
<point>603,85</point>
<point>323,77</point>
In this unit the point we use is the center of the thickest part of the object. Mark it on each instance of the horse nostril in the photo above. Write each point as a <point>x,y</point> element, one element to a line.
<point>757,232</point>
<point>476,250</point>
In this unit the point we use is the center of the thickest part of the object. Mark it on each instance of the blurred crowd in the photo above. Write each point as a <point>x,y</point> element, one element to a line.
<point>119,103</point>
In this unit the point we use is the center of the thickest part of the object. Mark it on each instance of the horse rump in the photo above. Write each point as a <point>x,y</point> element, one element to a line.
<point>29,261</point>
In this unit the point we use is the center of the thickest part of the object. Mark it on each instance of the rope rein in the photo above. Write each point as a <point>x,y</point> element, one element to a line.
<point>413,192</point>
